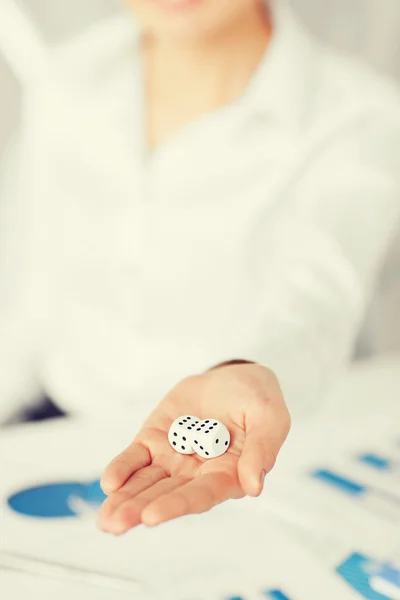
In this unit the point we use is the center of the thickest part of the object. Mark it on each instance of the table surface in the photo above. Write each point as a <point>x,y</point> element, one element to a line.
<point>365,409</point>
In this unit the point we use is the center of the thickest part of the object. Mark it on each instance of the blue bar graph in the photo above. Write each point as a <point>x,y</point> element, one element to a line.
<point>379,463</point>
<point>340,482</point>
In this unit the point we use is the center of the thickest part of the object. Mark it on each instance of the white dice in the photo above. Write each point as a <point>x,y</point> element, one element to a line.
<point>211,438</point>
<point>208,438</point>
<point>180,434</point>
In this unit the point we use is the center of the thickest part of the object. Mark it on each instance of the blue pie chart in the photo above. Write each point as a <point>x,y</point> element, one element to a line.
<point>53,500</point>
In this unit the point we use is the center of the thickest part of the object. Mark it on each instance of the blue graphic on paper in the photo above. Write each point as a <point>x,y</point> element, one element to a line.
<point>277,595</point>
<point>370,578</point>
<point>341,483</point>
<point>56,500</point>
<point>270,595</point>
<point>379,463</point>
<point>387,581</point>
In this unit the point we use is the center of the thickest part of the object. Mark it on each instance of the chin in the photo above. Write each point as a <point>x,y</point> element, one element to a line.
<point>200,19</point>
<point>184,32</point>
<point>181,30</point>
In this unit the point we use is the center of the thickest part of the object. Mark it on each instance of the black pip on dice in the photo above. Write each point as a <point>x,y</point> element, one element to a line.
<point>179,435</point>
<point>208,438</point>
<point>211,438</point>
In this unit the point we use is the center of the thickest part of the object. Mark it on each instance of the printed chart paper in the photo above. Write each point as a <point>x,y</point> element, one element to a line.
<point>229,552</point>
<point>327,526</point>
<point>15,585</point>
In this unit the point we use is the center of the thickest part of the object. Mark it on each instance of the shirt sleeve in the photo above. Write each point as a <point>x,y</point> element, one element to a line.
<point>18,382</point>
<point>322,258</point>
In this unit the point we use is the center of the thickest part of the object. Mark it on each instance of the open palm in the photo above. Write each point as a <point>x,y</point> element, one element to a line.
<point>150,483</point>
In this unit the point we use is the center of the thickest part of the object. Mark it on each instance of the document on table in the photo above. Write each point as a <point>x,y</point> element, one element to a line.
<point>15,584</point>
<point>326,527</point>
<point>226,556</point>
<point>230,552</point>
<point>345,480</point>
<point>337,492</point>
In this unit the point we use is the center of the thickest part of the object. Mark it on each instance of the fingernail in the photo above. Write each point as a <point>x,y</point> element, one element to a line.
<point>112,527</point>
<point>150,518</point>
<point>106,487</point>
<point>262,480</point>
<point>118,527</point>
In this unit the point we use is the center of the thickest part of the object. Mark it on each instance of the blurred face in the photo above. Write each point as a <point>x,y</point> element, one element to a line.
<point>190,18</point>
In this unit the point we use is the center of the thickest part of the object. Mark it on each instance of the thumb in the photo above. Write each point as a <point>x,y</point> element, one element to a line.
<point>266,432</point>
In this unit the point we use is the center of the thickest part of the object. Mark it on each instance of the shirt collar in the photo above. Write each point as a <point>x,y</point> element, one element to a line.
<point>283,84</point>
<point>282,87</point>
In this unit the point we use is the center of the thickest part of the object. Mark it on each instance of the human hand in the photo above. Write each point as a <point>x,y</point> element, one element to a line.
<point>150,483</point>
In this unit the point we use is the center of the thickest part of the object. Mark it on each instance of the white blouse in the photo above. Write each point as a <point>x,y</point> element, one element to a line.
<point>257,232</point>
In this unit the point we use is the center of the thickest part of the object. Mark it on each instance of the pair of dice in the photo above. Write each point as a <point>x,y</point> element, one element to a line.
<point>208,438</point>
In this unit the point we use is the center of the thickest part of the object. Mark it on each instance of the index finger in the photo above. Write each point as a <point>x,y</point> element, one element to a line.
<point>132,459</point>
